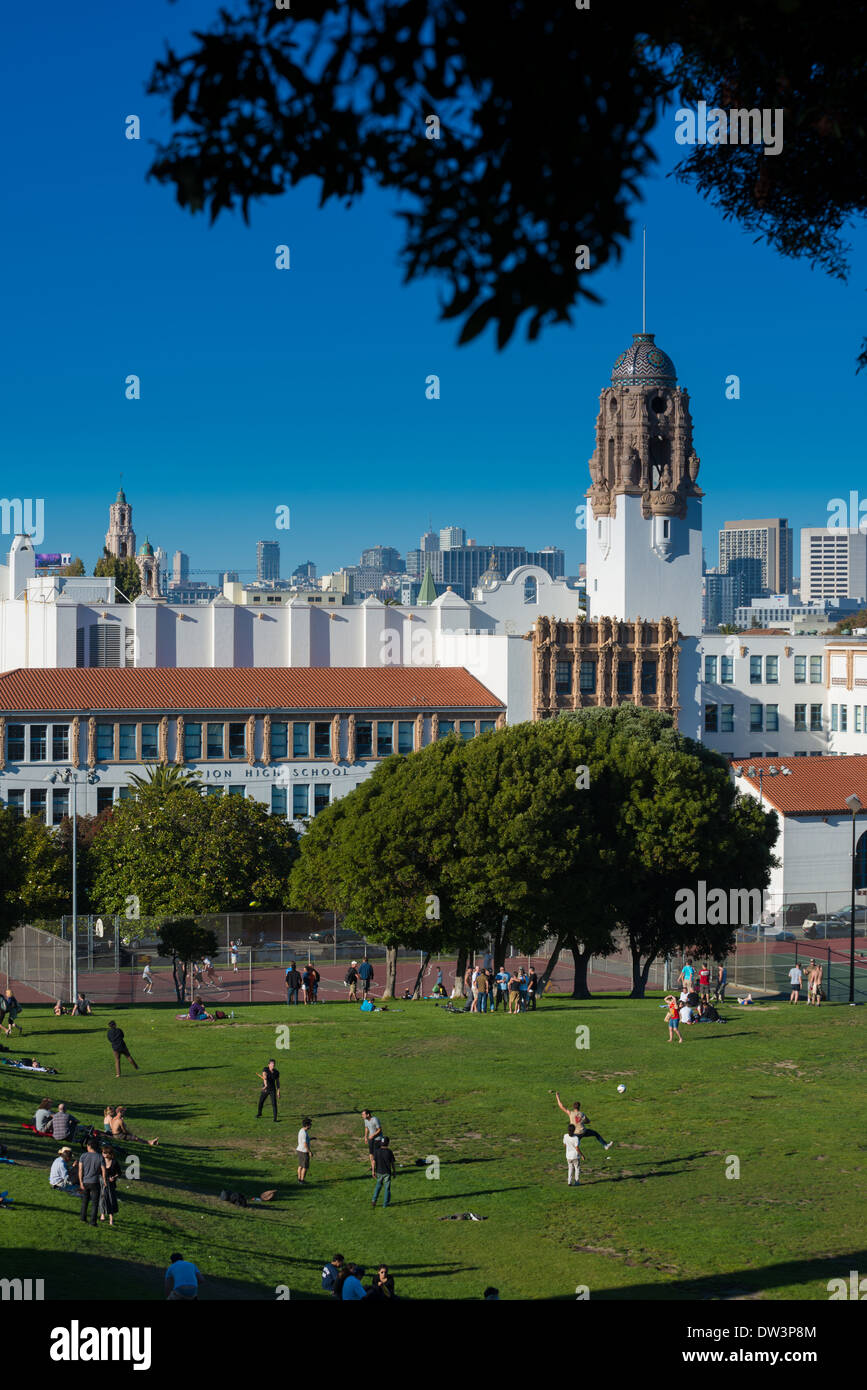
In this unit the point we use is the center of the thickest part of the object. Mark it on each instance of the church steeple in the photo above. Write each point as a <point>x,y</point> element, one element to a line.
<point>120,537</point>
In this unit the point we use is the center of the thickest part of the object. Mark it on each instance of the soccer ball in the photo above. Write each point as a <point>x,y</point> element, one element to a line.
<point>621,1088</point>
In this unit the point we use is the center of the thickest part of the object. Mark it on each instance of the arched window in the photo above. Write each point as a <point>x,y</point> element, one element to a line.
<point>861,863</point>
<point>530,590</point>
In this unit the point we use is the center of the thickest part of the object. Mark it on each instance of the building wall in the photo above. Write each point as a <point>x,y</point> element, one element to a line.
<point>627,575</point>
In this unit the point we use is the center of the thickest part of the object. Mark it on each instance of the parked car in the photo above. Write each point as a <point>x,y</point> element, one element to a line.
<point>767,931</point>
<point>343,934</point>
<point>828,927</point>
<point>794,914</point>
<point>775,933</point>
<point>845,914</point>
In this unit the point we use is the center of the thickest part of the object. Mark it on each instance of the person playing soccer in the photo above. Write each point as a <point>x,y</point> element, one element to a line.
<point>579,1120</point>
<point>118,1046</point>
<point>573,1157</point>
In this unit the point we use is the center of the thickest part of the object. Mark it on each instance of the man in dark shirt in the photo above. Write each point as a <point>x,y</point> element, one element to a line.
<point>270,1088</point>
<point>384,1166</point>
<point>365,974</point>
<point>118,1046</point>
<point>89,1166</point>
<point>293,984</point>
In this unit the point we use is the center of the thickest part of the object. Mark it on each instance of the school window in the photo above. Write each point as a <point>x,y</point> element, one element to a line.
<point>624,678</point>
<point>468,729</point>
<point>280,739</point>
<point>363,739</point>
<point>192,743</point>
<point>278,801</point>
<point>755,670</point>
<point>124,793</point>
<point>710,719</point>
<point>104,743</point>
<point>857,719</point>
<point>800,719</point>
<point>815,719</point>
<point>321,799</point>
<point>772,670</point>
<point>563,678</point>
<point>800,670</point>
<point>38,741</point>
<point>772,719</point>
<point>727,670</point>
<point>38,801</point>
<point>487,726</point>
<point>300,740</point>
<point>59,805</point>
<point>300,803</point>
<point>215,740</point>
<point>237,740</point>
<point>447,726</point>
<point>104,798</point>
<point>15,801</point>
<point>213,791</point>
<point>844,719</point>
<point>755,720</point>
<point>15,743</point>
<point>59,743</point>
<point>149,743</point>
<point>815,670</point>
<point>405,735</point>
<point>727,719</point>
<point>322,740</point>
<point>834,709</point>
<point>587,677</point>
<point>384,738</point>
<point>710,664</point>
<point>237,791</point>
<point>126,743</point>
<point>648,677</point>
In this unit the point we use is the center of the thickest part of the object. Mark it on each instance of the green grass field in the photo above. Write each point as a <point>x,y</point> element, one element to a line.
<point>655,1218</point>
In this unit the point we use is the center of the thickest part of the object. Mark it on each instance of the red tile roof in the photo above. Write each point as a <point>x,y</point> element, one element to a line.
<point>79,691</point>
<point>809,786</point>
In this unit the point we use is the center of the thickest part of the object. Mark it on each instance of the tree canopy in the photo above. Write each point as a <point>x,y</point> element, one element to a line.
<point>124,572</point>
<point>516,142</point>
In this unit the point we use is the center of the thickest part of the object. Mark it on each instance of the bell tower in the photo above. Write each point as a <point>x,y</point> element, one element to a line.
<point>120,537</point>
<point>644,553</point>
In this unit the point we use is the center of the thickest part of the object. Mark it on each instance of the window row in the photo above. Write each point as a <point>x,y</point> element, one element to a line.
<point>720,719</point>
<point>764,670</point>
<point>840,721</point>
<point>587,677</point>
<point>35,802</point>
<point>31,742</point>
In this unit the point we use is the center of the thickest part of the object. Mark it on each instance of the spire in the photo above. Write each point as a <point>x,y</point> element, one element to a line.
<point>427,593</point>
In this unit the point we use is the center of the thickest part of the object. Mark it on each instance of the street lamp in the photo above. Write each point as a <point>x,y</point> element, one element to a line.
<point>854,806</point>
<point>70,777</point>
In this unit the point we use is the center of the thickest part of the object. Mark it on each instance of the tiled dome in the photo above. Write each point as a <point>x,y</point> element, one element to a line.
<point>644,364</point>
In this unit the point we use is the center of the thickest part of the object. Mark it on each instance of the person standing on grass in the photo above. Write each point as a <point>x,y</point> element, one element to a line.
<point>687,975</point>
<point>351,979</point>
<point>573,1157</point>
<point>372,1135</point>
<point>502,982</point>
<point>579,1120</point>
<point>315,977</point>
<point>303,1149</point>
<point>306,997</point>
<point>795,978</point>
<point>365,975</point>
<point>89,1170</point>
<point>270,1078</point>
<point>672,1018</point>
<point>384,1172</point>
<point>482,992</point>
<point>182,1280</point>
<point>703,981</point>
<point>118,1046</point>
<point>817,989</point>
<point>108,1192</point>
<point>293,983</point>
<point>532,988</point>
<point>722,976</point>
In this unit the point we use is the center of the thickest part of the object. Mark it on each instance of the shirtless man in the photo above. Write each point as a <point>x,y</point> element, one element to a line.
<point>579,1120</point>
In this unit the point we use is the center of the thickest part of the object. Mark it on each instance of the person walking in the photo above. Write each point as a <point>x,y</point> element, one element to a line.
<point>384,1172</point>
<point>303,1149</point>
<point>573,1157</point>
<point>502,982</point>
<point>89,1170</point>
<point>372,1135</point>
<point>11,1010</point>
<point>687,975</point>
<point>108,1190</point>
<point>672,1018</point>
<point>182,1280</point>
<point>59,1176</point>
<point>579,1120</point>
<point>270,1078</point>
<point>147,979</point>
<point>293,983</point>
<point>721,980</point>
<point>795,979</point>
<point>118,1046</point>
<point>351,979</point>
<point>365,975</point>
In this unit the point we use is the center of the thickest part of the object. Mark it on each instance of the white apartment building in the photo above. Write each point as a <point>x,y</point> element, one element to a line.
<point>833,564</point>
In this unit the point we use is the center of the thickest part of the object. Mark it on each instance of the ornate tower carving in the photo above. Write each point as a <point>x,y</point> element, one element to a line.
<point>149,569</point>
<point>120,537</point>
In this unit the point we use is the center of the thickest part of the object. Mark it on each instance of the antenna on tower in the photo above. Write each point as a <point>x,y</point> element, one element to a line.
<point>644,283</point>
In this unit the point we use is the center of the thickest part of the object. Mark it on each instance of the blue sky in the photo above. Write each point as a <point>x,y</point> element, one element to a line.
<point>306,388</point>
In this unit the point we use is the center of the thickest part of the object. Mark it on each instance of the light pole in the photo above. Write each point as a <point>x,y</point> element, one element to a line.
<point>854,806</point>
<point>70,777</point>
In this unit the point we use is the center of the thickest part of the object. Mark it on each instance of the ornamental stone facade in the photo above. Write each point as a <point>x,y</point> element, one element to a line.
<point>605,663</point>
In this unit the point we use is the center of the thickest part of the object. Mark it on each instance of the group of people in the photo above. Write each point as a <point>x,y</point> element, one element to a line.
<point>698,980</point>
<point>359,975</point>
<point>517,991</point>
<point>690,1008</point>
<point>343,1279</point>
<point>81,1006</point>
<point>92,1178</point>
<point>814,983</point>
<point>303,983</point>
<point>577,1130</point>
<point>270,1092</point>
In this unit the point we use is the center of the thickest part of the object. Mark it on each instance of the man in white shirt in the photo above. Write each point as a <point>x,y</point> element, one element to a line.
<point>373,1134</point>
<point>573,1157</point>
<point>59,1176</point>
<point>795,978</point>
<point>303,1149</point>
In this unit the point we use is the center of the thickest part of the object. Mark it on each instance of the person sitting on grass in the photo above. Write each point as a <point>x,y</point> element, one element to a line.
<point>120,1131</point>
<point>82,1005</point>
<point>198,1011</point>
<point>58,1008</point>
<point>63,1124</point>
<point>42,1118</point>
<point>60,1176</point>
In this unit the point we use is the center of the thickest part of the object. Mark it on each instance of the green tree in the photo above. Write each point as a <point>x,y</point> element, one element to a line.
<point>185,940</point>
<point>76,567</point>
<point>182,854</point>
<point>124,572</point>
<point>164,778</point>
<point>846,625</point>
<point>501,191</point>
<point>46,883</point>
<point>11,873</point>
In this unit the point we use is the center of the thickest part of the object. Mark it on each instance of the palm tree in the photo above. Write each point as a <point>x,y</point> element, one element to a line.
<point>163,778</point>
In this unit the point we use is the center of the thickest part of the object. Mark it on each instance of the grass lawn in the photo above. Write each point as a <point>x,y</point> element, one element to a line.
<point>656,1217</point>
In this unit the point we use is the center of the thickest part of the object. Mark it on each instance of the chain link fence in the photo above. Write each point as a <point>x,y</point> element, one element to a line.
<point>40,960</point>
